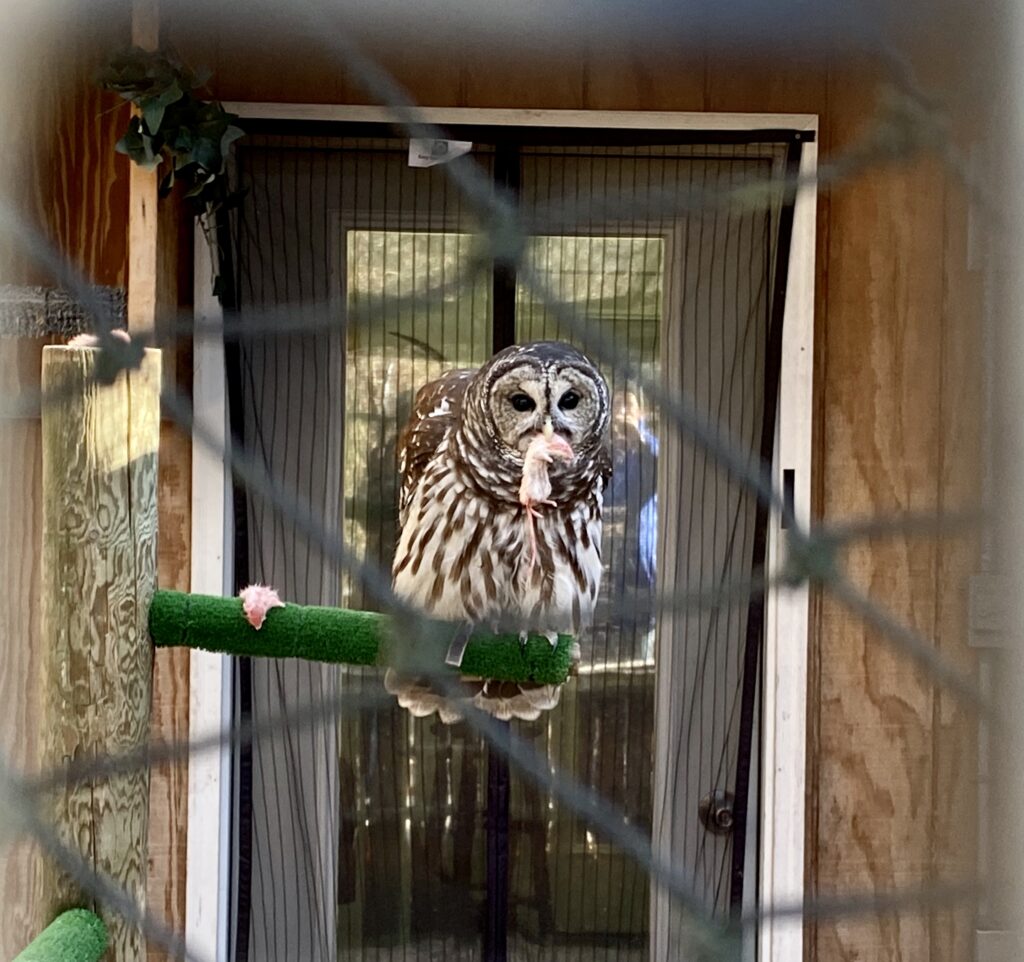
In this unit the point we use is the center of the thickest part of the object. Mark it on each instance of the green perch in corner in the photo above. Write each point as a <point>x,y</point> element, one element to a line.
<point>259,624</point>
<point>77,935</point>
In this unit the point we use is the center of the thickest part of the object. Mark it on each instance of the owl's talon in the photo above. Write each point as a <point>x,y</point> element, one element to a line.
<point>524,637</point>
<point>552,637</point>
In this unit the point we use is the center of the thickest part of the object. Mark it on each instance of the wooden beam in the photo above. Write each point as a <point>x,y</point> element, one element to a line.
<point>146,24</point>
<point>142,250</point>
<point>143,225</point>
<point>881,434</point>
<point>99,475</point>
<point>152,224</point>
<point>153,250</point>
<point>168,781</point>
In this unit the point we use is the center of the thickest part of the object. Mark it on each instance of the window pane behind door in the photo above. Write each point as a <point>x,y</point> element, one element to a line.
<point>411,788</point>
<point>416,308</point>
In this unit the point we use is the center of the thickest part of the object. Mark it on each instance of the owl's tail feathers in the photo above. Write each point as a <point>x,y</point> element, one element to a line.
<point>504,700</point>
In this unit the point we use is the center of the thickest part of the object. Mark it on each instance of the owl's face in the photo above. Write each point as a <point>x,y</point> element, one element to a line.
<point>525,385</point>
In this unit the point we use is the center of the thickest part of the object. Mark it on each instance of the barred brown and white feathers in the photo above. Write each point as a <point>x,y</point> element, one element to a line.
<point>473,546</point>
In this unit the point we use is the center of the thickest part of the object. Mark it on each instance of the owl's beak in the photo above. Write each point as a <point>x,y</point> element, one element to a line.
<point>548,429</point>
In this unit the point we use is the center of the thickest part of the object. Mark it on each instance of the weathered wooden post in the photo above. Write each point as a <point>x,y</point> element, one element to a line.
<point>99,572</point>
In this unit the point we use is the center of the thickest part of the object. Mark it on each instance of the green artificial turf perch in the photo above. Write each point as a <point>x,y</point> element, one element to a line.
<point>344,637</point>
<point>77,935</point>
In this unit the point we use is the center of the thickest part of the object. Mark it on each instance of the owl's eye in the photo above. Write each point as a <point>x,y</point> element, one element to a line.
<point>569,400</point>
<point>522,402</point>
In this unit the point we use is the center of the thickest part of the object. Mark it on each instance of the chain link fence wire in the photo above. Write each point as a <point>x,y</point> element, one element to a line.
<point>578,245</point>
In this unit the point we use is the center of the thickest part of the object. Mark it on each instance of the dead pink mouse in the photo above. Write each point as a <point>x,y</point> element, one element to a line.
<point>535,488</point>
<point>257,600</point>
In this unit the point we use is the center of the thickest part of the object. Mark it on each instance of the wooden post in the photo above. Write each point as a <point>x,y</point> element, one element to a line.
<point>158,235</point>
<point>98,574</point>
<point>144,274</point>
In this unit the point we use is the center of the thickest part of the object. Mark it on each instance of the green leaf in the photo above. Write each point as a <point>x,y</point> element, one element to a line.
<point>153,114</point>
<point>134,143</point>
<point>192,135</point>
<point>171,94</point>
<point>129,144</point>
<point>182,141</point>
<point>228,138</point>
<point>201,185</point>
<point>146,157</point>
<point>207,154</point>
<point>210,113</point>
<point>211,132</point>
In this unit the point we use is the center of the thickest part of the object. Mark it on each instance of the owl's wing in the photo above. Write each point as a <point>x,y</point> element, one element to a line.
<point>434,413</point>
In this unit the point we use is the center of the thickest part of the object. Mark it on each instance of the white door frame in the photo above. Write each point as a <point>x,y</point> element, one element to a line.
<point>208,836</point>
<point>784,689</point>
<point>783,744</point>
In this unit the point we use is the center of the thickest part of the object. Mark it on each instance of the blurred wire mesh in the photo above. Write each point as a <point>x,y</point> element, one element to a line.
<point>354,280</point>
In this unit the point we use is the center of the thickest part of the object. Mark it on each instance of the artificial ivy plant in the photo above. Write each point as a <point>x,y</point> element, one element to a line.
<point>174,126</point>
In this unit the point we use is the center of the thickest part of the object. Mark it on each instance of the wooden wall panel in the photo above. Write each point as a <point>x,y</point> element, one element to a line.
<point>83,203</point>
<point>168,799</point>
<point>60,172</point>
<point>882,398</point>
<point>20,655</point>
<point>291,69</point>
<point>527,81</point>
<point>955,762</point>
<point>794,88</point>
<point>628,80</point>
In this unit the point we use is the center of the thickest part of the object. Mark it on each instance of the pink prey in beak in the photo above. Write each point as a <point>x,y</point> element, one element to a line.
<point>535,488</point>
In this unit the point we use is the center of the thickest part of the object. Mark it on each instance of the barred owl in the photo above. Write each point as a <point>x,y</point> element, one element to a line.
<point>502,475</point>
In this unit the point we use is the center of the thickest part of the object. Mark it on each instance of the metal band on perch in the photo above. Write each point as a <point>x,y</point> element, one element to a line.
<point>340,636</point>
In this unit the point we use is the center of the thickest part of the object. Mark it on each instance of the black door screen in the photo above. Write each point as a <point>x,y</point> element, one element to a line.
<point>367,837</point>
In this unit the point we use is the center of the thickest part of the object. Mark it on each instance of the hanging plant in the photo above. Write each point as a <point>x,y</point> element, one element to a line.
<point>173,128</point>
